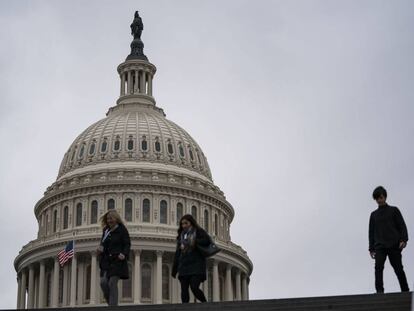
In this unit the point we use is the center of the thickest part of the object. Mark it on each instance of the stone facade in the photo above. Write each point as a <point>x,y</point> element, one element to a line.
<point>152,172</point>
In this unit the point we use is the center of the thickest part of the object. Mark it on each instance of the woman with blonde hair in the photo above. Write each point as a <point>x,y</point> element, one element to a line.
<point>113,255</point>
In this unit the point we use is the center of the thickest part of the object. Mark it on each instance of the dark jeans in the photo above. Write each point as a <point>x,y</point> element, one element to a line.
<point>192,281</point>
<point>394,255</point>
<point>110,289</point>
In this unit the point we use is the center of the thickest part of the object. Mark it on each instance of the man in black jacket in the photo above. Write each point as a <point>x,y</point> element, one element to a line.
<point>387,237</point>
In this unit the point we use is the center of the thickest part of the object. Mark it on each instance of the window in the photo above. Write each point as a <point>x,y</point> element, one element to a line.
<point>146,211</point>
<point>117,145</point>
<point>179,212</point>
<point>198,157</point>
<point>94,212</point>
<point>92,149</point>
<point>190,151</point>
<point>157,146</point>
<point>47,224</point>
<point>144,145</point>
<point>73,154</point>
<point>128,209</point>
<point>165,282</point>
<point>181,150</point>
<point>111,204</point>
<point>104,146</point>
<point>163,212</point>
<point>79,214</point>
<point>146,281</point>
<point>216,224</point>
<point>81,152</point>
<point>65,217</point>
<point>194,212</point>
<point>206,220</point>
<point>170,148</point>
<point>54,221</point>
<point>130,143</point>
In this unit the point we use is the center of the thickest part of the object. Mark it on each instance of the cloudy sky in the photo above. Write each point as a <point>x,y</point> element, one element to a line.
<point>302,108</point>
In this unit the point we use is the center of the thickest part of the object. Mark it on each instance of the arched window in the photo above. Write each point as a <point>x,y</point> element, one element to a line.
<point>170,148</point>
<point>111,204</point>
<point>206,220</point>
<point>130,143</point>
<point>88,283</point>
<point>181,150</point>
<point>179,212</point>
<point>127,284</point>
<point>65,217</point>
<point>128,209</point>
<point>163,212</point>
<point>146,282</point>
<point>144,144</point>
<point>47,224</point>
<point>54,221</point>
<point>104,146</point>
<point>146,210</point>
<point>81,152</point>
<point>117,145</point>
<point>157,145</point>
<point>79,214</point>
<point>194,212</point>
<point>198,157</point>
<point>165,282</point>
<point>92,148</point>
<point>216,224</point>
<point>190,151</point>
<point>73,154</point>
<point>94,212</point>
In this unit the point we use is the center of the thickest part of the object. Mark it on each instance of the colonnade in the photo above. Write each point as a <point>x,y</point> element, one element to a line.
<point>46,284</point>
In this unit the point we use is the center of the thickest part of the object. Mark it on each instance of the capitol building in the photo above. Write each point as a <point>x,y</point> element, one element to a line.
<point>152,172</point>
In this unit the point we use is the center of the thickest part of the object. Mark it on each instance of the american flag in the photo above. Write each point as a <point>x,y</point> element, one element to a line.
<point>65,254</point>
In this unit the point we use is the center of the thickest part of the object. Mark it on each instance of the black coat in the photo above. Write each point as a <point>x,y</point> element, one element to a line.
<point>191,262</point>
<point>386,228</point>
<point>116,243</point>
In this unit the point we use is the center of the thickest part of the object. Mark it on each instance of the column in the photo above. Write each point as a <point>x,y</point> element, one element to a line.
<point>55,284</point>
<point>23,290</point>
<point>19,289</point>
<point>158,279</point>
<point>149,84</point>
<point>216,285</point>
<point>136,86</point>
<point>238,285</point>
<point>142,86</point>
<point>137,276</point>
<point>80,283</point>
<point>73,282</point>
<point>30,298</point>
<point>123,83</point>
<point>244,288</point>
<point>42,285</point>
<point>65,300</point>
<point>129,82</point>
<point>229,290</point>
<point>92,299</point>
<point>205,285</point>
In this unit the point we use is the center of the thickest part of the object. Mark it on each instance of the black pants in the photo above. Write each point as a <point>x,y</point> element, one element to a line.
<point>192,281</point>
<point>394,254</point>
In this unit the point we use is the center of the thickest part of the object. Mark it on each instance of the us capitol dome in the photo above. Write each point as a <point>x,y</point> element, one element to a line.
<point>152,172</point>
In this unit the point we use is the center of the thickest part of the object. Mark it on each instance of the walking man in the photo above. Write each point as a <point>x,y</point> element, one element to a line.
<point>387,237</point>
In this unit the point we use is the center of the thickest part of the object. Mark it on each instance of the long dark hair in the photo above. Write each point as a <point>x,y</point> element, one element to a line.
<point>191,220</point>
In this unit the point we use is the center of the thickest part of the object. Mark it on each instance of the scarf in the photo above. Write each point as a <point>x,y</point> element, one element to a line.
<point>187,240</point>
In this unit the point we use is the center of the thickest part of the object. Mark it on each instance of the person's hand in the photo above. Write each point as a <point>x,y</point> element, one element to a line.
<point>121,256</point>
<point>403,244</point>
<point>372,255</point>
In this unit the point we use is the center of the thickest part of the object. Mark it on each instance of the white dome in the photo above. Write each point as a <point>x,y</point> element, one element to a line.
<point>134,136</point>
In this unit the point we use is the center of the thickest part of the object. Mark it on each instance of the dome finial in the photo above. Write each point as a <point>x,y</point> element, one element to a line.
<point>137,46</point>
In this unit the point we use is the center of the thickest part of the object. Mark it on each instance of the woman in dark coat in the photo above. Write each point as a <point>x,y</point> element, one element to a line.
<point>113,251</point>
<point>189,263</point>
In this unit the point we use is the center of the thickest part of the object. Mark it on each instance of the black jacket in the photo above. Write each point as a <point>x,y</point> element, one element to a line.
<point>386,228</point>
<point>116,243</point>
<point>191,262</point>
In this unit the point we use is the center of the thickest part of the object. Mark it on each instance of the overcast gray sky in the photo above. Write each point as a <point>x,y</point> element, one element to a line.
<point>301,107</point>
